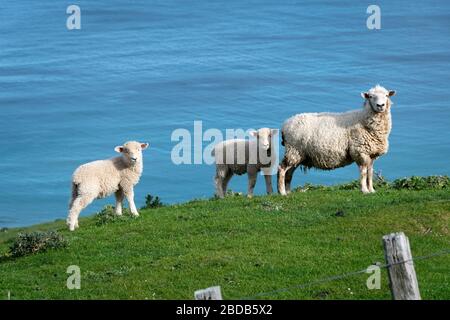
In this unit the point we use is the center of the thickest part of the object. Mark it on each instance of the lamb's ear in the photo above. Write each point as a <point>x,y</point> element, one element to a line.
<point>392,93</point>
<point>253,133</point>
<point>364,95</point>
<point>274,131</point>
<point>118,149</point>
<point>144,146</point>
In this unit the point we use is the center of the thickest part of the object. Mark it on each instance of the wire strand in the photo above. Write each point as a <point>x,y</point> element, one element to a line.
<point>341,276</point>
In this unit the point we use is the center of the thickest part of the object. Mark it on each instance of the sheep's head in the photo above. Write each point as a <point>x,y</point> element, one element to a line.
<point>378,98</point>
<point>264,136</point>
<point>132,151</point>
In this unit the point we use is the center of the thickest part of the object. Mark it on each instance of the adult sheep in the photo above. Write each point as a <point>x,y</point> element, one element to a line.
<point>332,140</point>
<point>101,178</point>
<point>240,156</point>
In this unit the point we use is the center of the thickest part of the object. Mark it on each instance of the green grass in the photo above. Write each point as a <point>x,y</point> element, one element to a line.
<point>246,246</point>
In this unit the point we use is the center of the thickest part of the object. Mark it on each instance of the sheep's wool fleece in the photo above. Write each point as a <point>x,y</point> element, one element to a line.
<point>333,140</point>
<point>104,177</point>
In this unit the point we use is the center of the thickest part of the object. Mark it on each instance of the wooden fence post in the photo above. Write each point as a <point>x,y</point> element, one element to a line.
<point>212,293</point>
<point>402,276</point>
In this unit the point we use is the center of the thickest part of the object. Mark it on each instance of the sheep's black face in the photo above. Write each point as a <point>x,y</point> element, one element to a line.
<point>378,98</point>
<point>132,151</point>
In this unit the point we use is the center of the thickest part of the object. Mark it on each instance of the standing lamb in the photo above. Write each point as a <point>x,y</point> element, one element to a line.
<point>332,140</point>
<point>239,156</point>
<point>101,178</point>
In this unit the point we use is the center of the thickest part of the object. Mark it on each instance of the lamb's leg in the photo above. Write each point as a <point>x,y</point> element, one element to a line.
<point>119,200</point>
<point>219,181</point>
<point>74,194</point>
<point>225,181</point>
<point>252,175</point>
<point>288,179</point>
<point>268,179</point>
<point>129,194</point>
<point>78,204</point>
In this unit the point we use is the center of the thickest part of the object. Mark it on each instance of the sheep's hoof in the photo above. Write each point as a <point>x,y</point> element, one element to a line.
<point>135,214</point>
<point>249,196</point>
<point>365,191</point>
<point>70,225</point>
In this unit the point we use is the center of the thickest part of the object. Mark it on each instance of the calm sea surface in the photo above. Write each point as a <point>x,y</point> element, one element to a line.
<point>141,69</point>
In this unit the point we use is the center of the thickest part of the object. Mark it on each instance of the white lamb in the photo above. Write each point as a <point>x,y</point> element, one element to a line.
<point>239,156</point>
<point>101,178</point>
<point>332,140</point>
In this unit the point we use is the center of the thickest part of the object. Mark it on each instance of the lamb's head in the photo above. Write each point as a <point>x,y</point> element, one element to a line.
<point>132,151</point>
<point>264,136</point>
<point>378,99</point>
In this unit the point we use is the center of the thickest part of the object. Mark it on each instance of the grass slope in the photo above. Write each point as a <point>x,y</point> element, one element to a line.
<point>246,246</point>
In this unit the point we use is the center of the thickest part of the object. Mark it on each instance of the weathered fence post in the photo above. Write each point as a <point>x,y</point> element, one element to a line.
<point>212,293</point>
<point>402,276</point>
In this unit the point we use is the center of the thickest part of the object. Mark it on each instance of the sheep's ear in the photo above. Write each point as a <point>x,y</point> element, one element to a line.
<point>364,95</point>
<point>392,93</point>
<point>144,146</point>
<point>118,149</point>
<point>274,131</point>
<point>253,133</point>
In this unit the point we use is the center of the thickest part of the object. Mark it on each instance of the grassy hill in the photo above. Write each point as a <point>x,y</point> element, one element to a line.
<point>246,246</point>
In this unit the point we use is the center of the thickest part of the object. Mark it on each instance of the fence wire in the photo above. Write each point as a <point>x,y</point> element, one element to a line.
<point>342,276</point>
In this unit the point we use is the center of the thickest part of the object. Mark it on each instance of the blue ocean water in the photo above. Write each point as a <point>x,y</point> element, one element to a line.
<point>141,69</point>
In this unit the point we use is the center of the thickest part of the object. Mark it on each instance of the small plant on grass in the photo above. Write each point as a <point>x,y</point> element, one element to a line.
<point>233,194</point>
<point>152,202</point>
<point>34,242</point>
<point>380,181</point>
<point>108,215</point>
<point>309,186</point>
<point>421,183</point>
<point>352,185</point>
<point>270,206</point>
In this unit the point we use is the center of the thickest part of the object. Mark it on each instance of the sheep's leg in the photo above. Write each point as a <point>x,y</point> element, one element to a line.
<point>363,178</point>
<point>77,205</point>
<point>282,177</point>
<point>370,177</point>
<point>268,179</point>
<point>288,179</point>
<point>119,200</point>
<point>292,159</point>
<point>364,163</point>
<point>252,175</point>
<point>129,194</point>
